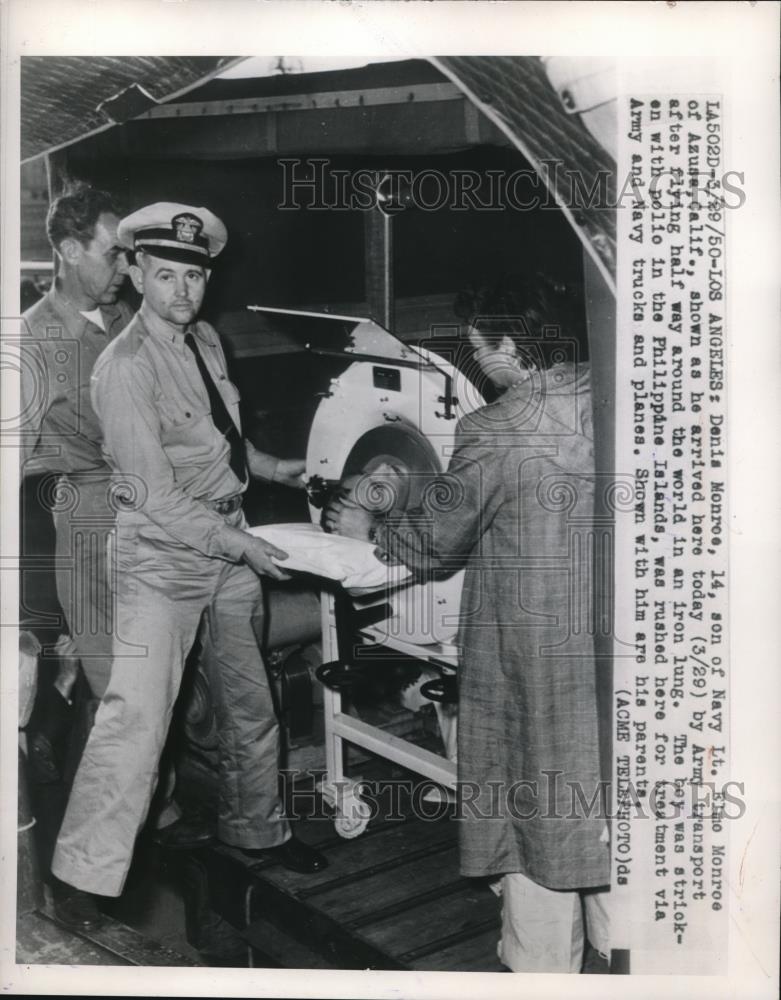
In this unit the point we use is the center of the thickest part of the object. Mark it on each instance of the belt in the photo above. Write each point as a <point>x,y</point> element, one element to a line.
<point>228,505</point>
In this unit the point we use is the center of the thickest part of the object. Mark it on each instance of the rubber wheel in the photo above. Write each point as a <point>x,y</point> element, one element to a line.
<point>354,824</point>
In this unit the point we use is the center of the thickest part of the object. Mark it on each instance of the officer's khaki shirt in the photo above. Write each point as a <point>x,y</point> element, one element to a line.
<point>60,431</point>
<point>159,433</point>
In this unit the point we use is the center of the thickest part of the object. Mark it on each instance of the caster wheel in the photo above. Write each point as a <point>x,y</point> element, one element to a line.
<point>352,814</point>
<point>352,818</point>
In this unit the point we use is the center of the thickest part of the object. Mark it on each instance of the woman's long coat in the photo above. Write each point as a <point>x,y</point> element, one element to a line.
<point>516,508</point>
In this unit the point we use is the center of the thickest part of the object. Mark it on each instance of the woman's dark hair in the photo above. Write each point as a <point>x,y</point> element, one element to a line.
<point>74,214</point>
<point>545,317</point>
<point>28,294</point>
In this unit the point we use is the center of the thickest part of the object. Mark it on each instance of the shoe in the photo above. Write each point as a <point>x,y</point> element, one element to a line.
<point>52,720</point>
<point>186,834</point>
<point>294,855</point>
<point>44,769</point>
<point>75,909</point>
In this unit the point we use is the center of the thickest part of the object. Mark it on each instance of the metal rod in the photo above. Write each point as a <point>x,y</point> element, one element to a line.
<point>377,359</point>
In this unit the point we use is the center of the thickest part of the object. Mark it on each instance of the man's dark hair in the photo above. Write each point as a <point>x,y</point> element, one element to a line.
<point>74,214</point>
<point>543,315</point>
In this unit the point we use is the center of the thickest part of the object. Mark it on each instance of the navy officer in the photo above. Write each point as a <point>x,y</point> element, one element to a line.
<point>65,332</point>
<point>171,425</point>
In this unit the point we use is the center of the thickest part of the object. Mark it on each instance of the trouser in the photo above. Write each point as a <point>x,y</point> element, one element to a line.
<point>163,591</point>
<point>543,929</point>
<point>83,521</point>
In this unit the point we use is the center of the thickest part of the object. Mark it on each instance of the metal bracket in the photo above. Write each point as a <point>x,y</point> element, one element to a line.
<point>448,399</point>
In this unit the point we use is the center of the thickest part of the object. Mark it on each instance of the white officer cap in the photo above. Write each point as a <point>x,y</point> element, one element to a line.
<point>174,232</point>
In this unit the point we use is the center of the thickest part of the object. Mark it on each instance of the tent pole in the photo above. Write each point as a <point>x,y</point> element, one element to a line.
<point>378,259</point>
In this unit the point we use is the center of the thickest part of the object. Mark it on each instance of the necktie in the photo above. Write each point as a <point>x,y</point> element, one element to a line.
<point>222,419</point>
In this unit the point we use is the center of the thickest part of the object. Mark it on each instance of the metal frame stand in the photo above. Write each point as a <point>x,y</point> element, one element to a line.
<point>343,794</point>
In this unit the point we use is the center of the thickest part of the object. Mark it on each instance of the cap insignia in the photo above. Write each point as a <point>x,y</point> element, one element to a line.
<point>186,227</point>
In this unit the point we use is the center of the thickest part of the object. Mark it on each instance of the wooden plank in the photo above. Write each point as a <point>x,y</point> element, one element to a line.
<point>282,930</point>
<point>391,899</point>
<point>392,842</point>
<point>318,832</point>
<point>121,945</point>
<point>315,929</point>
<point>381,865</point>
<point>360,902</point>
<point>368,97</point>
<point>472,909</point>
<point>272,947</point>
<point>39,941</point>
<point>477,954</point>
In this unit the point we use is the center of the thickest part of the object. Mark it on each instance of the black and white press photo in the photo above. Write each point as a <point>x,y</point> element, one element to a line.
<point>382,544</point>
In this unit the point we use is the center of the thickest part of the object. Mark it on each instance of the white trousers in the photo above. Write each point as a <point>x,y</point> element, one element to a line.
<point>543,929</point>
<point>161,600</point>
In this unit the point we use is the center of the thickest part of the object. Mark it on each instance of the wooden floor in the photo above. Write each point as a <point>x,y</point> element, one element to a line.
<point>41,940</point>
<point>391,898</point>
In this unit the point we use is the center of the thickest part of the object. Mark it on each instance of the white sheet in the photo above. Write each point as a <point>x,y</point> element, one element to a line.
<point>349,561</point>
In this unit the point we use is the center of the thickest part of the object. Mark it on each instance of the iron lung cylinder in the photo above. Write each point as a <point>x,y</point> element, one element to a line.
<point>400,405</point>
